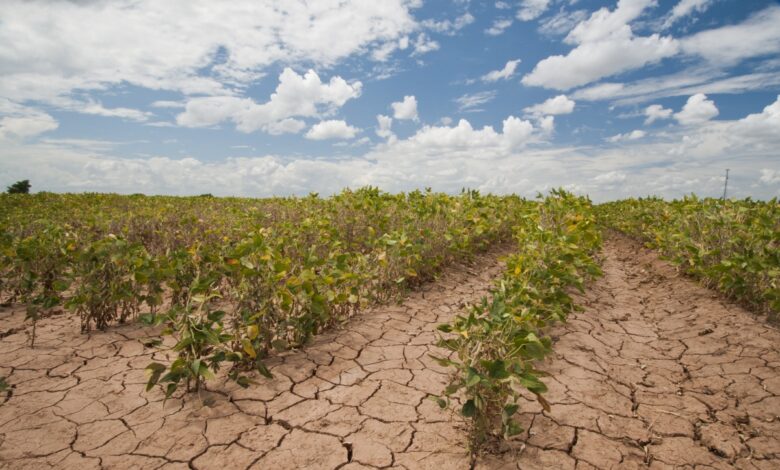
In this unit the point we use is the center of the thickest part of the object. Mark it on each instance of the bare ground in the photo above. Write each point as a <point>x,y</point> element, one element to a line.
<point>657,371</point>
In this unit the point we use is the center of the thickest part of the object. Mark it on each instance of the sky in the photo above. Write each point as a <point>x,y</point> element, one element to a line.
<point>274,98</point>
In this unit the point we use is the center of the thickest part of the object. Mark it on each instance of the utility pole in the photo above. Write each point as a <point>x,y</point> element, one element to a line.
<point>726,184</point>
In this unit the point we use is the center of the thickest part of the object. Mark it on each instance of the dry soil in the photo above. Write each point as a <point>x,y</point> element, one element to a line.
<point>656,372</point>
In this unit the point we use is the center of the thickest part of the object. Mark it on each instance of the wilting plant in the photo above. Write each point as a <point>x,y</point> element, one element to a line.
<point>495,346</point>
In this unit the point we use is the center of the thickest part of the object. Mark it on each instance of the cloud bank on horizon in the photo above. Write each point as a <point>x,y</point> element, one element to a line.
<point>258,98</point>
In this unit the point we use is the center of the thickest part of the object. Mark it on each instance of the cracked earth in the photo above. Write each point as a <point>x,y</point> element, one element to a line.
<point>656,372</point>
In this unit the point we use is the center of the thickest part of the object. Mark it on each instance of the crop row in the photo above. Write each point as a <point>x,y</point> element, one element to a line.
<point>731,245</point>
<point>233,279</point>
<point>497,343</point>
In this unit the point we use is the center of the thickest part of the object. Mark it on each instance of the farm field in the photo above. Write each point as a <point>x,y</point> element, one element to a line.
<point>371,330</point>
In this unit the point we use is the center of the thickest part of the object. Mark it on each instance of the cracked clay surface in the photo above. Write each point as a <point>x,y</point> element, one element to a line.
<point>656,372</point>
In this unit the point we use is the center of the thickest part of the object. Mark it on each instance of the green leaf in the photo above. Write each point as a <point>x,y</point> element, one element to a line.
<point>473,377</point>
<point>263,370</point>
<point>153,371</point>
<point>510,409</point>
<point>497,370</point>
<point>469,409</point>
<point>512,428</point>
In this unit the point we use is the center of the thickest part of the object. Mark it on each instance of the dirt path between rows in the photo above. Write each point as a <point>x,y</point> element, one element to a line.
<point>656,371</point>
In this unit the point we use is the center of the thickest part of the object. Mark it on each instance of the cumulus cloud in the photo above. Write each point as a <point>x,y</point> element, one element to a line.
<point>633,135</point>
<point>560,104</point>
<point>295,96</point>
<point>711,54</point>
<point>452,157</point>
<point>406,109</point>
<point>172,42</point>
<point>432,143</point>
<point>285,126</point>
<point>761,127</point>
<point>655,112</point>
<point>499,26</point>
<point>332,129</point>
<point>769,176</point>
<point>384,125</point>
<point>546,124</point>
<point>610,177</point>
<point>517,159</point>
<point>532,9</point>
<point>384,51</point>
<point>697,109</point>
<point>449,27</point>
<point>27,125</point>
<point>605,46</point>
<point>503,74</point>
<point>424,44</point>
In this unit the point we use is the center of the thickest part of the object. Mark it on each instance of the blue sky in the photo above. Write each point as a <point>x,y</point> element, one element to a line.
<point>258,98</point>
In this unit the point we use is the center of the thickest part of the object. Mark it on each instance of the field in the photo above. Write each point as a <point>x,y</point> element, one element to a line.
<point>375,330</point>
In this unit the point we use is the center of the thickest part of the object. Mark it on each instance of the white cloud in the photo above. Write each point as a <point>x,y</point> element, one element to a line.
<point>546,124</point>
<point>654,112</point>
<point>449,27</point>
<point>503,74</point>
<point>532,9</point>
<point>610,177</point>
<point>423,44</point>
<point>672,164</point>
<point>685,8</point>
<point>96,108</point>
<point>769,176</point>
<point>605,46</point>
<point>295,96</point>
<point>384,126</point>
<point>168,104</point>
<point>720,48</point>
<point>633,135</point>
<point>697,109</point>
<point>384,51</point>
<point>757,36</point>
<point>460,140</point>
<point>595,60</point>
<point>332,129</point>
<point>25,126</point>
<point>562,22</point>
<point>503,5</point>
<point>605,23</point>
<point>499,26</point>
<point>285,126</point>
<point>173,41</point>
<point>763,126</point>
<point>686,83</point>
<point>560,104</point>
<point>472,101</point>
<point>406,109</point>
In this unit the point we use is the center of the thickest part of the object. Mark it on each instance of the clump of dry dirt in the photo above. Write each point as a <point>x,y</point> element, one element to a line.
<point>657,371</point>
